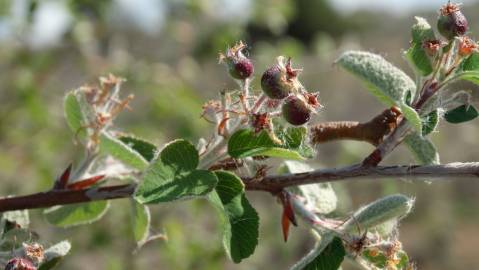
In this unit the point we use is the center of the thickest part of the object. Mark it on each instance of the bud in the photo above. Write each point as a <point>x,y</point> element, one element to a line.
<point>19,264</point>
<point>280,80</point>
<point>296,111</point>
<point>451,22</point>
<point>239,66</point>
<point>466,46</point>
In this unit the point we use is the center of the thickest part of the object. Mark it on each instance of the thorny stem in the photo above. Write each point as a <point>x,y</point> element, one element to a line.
<point>269,184</point>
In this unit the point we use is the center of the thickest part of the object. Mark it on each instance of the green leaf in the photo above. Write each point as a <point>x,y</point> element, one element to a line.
<point>385,81</point>
<point>121,151</point>
<point>74,115</point>
<point>239,218</point>
<point>416,55</point>
<point>146,149</point>
<point>376,258</point>
<point>173,175</point>
<point>320,197</point>
<point>245,143</point>
<point>461,114</point>
<point>422,31</point>
<point>330,258</point>
<point>292,137</point>
<point>419,59</point>
<point>140,218</point>
<point>430,122</point>
<point>413,117</point>
<point>380,260</point>
<point>422,148</point>
<point>382,210</point>
<point>472,76</point>
<point>54,255</point>
<point>76,214</point>
<point>470,63</point>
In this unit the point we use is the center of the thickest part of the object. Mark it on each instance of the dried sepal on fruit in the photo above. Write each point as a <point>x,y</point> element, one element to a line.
<point>466,46</point>
<point>280,80</point>
<point>451,22</point>
<point>34,252</point>
<point>432,47</point>
<point>239,66</point>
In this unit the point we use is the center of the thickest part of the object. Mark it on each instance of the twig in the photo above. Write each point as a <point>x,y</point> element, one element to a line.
<point>271,183</point>
<point>371,132</point>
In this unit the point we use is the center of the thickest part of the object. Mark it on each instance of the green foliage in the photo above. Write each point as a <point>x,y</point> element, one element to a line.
<point>382,210</point>
<point>74,115</point>
<point>122,151</point>
<point>416,55</point>
<point>173,175</point>
<point>380,260</point>
<point>330,258</point>
<point>140,218</point>
<point>295,138</point>
<point>385,81</point>
<point>54,255</point>
<point>461,114</point>
<point>76,214</point>
<point>469,68</point>
<point>240,220</point>
<point>430,122</point>
<point>422,148</point>
<point>413,117</point>
<point>470,63</point>
<point>245,143</point>
<point>320,197</point>
<point>146,149</point>
<point>327,255</point>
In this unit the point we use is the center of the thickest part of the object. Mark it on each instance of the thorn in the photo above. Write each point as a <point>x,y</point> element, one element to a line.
<point>85,183</point>
<point>62,181</point>
<point>285,226</point>
<point>288,214</point>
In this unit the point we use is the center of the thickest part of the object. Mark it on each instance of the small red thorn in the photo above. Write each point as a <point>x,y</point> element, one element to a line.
<point>62,181</point>
<point>288,214</point>
<point>285,225</point>
<point>82,184</point>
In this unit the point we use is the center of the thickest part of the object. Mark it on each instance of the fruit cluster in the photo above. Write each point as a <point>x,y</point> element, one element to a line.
<point>452,25</point>
<point>280,86</point>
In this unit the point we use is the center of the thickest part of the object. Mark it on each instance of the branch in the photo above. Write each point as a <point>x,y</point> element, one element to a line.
<point>371,132</point>
<point>273,183</point>
<point>429,172</point>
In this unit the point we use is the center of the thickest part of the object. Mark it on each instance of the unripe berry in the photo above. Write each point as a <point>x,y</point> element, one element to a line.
<point>20,264</point>
<point>296,111</point>
<point>239,66</point>
<point>280,80</point>
<point>451,22</point>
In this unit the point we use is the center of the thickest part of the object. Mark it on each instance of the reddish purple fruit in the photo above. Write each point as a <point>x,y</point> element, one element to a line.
<point>20,264</point>
<point>279,80</point>
<point>451,22</point>
<point>295,111</point>
<point>239,66</point>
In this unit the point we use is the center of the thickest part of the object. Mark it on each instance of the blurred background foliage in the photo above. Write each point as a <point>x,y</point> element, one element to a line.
<point>167,51</point>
